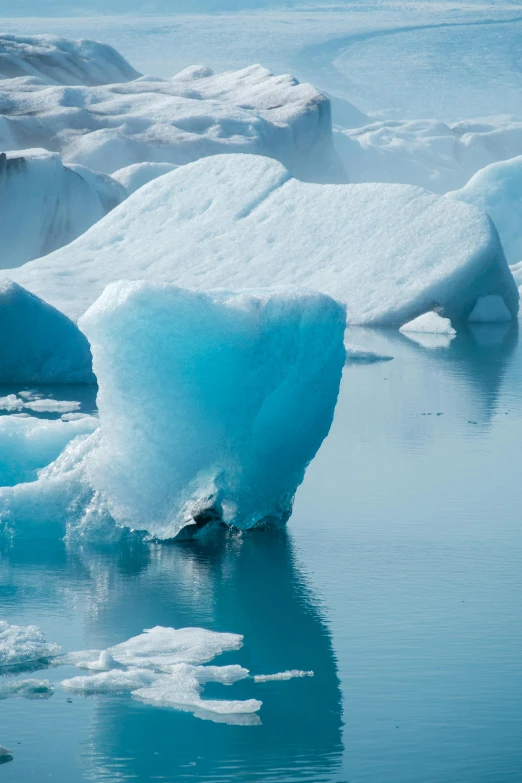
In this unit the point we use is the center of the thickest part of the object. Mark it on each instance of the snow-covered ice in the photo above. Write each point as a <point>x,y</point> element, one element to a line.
<point>194,114</point>
<point>290,674</point>
<point>24,644</point>
<point>138,174</point>
<point>44,346</point>
<point>387,251</point>
<point>429,323</point>
<point>198,400</point>
<point>58,61</point>
<point>44,204</point>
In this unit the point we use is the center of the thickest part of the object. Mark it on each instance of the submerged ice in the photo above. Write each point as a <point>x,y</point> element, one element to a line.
<point>24,644</point>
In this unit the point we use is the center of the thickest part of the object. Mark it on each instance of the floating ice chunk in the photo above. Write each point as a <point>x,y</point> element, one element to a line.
<point>113,681</point>
<point>497,189</point>
<point>44,204</point>
<point>28,689</point>
<point>178,120</point>
<point>52,406</point>
<point>137,175</point>
<point>356,354</point>
<point>23,644</point>
<point>29,444</point>
<point>5,755</point>
<point>58,61</point>
<point>11,403</point>
<point>287,675</point>
<point>489,310</point>
<point>387,251</point>
<point>39,344</point>
<point>429,323</point>
<point>211,404</point>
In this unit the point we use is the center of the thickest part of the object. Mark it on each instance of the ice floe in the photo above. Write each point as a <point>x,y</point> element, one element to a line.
<point>387,251</point>
<point>429,323</point>
<point>39,343</point>
<point>357,355</point>
<point>27,689</point>
<point>44,204</point>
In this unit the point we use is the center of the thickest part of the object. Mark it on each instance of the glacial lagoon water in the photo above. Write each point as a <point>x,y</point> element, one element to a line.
<point>398,582</point>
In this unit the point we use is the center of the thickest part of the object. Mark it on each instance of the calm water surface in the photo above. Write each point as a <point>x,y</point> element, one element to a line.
<point>398,582</point>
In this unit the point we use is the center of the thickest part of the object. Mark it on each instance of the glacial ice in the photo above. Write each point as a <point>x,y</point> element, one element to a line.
<point>198,394</point>
<point>387,251</point>
<point>429,323</point>
<point>44,346</point>
<point>497,189</point>
<point>24,644</point>
<point>44,204</point>
<point>194,114</point>
<point>58,61</point>
<point>28,444</point>
<point>137,175</point>
<point>489,310</point>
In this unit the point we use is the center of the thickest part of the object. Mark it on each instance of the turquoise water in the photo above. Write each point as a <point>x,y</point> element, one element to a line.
<point>398,582</point>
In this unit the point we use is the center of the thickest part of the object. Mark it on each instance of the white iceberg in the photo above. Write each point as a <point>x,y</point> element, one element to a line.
<point>24,644</point>
<point>39,344</point>
<point>387,251</point>
<point>58,61</point>
<point>44,204</point>
<point>355,354</point>
<point>178,120</point>
<point>429,323</point>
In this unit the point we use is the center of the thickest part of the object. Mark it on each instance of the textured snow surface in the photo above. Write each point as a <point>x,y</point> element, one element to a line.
<point>429,323</point>
<point>387,251</point>
<point>28,444</point>
<point>210,403</point>
<point>178,120</point>
<point>58,61</point>
<point>287,675</point>
<point>44,204</point>
<point>137,175</point>
<point>43,345</point>
<point>23,644</point>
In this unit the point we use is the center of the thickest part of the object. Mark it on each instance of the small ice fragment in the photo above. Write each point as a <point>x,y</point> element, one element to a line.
<point>52,406</point>
<point>27,689</point>
<point>5,755</point>
<point>354,353</point>
<point>286,675</point>
<point>22,644</point>
<point>429,323</point>
<point>11,403</point>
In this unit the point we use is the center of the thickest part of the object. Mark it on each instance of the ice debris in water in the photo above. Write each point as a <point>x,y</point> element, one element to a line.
<point>163,666</point>
<point>5,754</point>
<point>27,689</point>
<point>24,644</point>
<point>429,323</point>
<point>287,675</point>
<point>388,252</point>
<point>28,444</point>
<point>356,354</point>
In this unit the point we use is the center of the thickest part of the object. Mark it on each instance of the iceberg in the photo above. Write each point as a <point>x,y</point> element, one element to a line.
<point>39,343</point>
<point>192,115</point>
<point>497,189</point>
<point>211,404</point>
<point>44,204</point>
<point>24,644</point>
<point>59,61</point>
<point>389,252</point>
<point>137,175</point>
<point>355,354</point>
